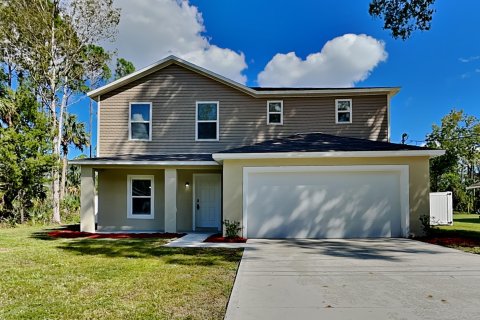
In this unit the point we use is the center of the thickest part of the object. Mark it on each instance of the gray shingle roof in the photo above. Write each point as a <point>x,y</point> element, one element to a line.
<point>152,157</point>
<point>316,88</point>
<point>302,142</point>
<point>319,142</point>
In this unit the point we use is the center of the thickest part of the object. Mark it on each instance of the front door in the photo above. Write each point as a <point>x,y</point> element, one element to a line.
<point>207,200</point>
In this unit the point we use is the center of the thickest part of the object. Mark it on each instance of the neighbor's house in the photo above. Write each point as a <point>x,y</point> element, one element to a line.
<point>181,148</point>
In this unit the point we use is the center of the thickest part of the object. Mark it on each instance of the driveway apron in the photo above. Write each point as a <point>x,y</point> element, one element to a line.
<point>355,279</point>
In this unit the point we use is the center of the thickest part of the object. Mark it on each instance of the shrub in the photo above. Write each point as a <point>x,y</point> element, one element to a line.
<point>232,228</point>
<point>40,211</point>
<point>70,209</point>
<point>426,224</point>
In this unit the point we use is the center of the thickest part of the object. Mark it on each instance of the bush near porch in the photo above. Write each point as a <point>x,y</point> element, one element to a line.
<point>47,278</point>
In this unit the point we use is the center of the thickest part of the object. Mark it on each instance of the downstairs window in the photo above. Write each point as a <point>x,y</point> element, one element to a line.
<point>140,197</point>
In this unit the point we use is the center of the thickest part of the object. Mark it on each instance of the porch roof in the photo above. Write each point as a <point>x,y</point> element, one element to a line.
<point>177,159</point>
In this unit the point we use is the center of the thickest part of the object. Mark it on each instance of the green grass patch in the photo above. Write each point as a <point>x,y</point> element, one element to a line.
<point>45,278</point>
<point>465,227</point>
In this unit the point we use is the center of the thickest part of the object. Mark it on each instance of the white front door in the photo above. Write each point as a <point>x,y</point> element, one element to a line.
<point>207,200</point>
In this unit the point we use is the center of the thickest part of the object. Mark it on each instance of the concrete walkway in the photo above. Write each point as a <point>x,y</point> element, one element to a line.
<point>195,240</point>
<point>355,279</point>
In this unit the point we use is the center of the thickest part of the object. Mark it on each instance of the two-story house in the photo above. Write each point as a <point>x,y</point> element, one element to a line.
<point>181,148</point>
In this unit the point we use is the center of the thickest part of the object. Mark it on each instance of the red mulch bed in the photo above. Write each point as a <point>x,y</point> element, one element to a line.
<point>70,234</point>
<point>218,238</point>
<point>452,241</point>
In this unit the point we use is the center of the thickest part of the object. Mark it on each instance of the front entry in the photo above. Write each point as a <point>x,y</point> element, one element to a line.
<point>207,200</point>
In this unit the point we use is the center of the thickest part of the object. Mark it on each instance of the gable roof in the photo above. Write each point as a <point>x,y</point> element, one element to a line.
<point>253,91</point>
<point>316,144</point>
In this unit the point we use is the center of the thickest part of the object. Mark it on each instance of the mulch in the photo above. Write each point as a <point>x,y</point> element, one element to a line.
<point>71,234</point>
<point>452,241</point>
<point>218,238</point>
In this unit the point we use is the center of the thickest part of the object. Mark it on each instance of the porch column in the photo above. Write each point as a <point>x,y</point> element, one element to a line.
<point>170,200</point>
<point>87,199</point>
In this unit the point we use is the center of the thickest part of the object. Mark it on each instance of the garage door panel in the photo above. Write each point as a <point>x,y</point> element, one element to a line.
<point>323,204</point>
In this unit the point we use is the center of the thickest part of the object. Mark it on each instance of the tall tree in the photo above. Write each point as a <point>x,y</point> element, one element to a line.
<point>402,17</point>
<point>25,157</point>
<point>123,68</point>
<point>97,72</point>
<point>459,135</point>
<point>51,37</point>
<point>74,134</point>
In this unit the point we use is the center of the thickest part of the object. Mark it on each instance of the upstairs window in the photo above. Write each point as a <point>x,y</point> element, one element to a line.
<point>343,109</point>
<point>140,117</point>
<point>206,126</point>
<point>140,197</point>
<point>274,112</point>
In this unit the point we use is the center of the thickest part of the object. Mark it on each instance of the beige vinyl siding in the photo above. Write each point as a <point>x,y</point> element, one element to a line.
<point>174,90</point>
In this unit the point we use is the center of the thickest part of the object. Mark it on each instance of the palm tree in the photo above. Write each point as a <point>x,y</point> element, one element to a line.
<point>74,133</point>
<point>7,106</point>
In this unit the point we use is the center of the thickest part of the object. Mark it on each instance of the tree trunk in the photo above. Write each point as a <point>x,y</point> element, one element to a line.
<point>90,126</point>
<point>56,167</point>
<point>63,162</point>
<point>9,75</point>
<point>21,208</point>
<point>55,177</point>
<point>63,106</point>
<point>64,177</point>
<point>53,110</point>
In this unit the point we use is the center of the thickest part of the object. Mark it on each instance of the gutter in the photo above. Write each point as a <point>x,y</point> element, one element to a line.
<point>219,157</point>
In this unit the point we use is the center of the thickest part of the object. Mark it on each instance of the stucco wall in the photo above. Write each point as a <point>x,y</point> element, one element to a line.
<point>418,181</point>
<point>112,201</point>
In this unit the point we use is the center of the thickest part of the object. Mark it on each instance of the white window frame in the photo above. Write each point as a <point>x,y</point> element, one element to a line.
<point>130,121</point>
<point>337,111</point>
<point>275,112</point>
<point>207,121</point>
<point>130,178</point>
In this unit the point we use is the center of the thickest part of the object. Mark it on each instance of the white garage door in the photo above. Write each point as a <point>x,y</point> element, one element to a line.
<point>326,202</point>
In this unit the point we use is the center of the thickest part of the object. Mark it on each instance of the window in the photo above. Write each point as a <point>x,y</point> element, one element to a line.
<point>140,197</point>
<point>343,109</point>
<point>140,121</point>
<point>274,112</point>
<point>206,121</point>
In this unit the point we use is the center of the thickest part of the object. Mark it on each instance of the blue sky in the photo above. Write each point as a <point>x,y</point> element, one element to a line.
<point>438,70</point>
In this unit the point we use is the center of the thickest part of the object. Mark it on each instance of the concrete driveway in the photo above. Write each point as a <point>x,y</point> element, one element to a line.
<point>355,279</point>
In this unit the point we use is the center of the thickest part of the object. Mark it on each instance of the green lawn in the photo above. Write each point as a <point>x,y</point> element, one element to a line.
<point>44,278</point>
<point>463,224</point>
<point>466,226</point>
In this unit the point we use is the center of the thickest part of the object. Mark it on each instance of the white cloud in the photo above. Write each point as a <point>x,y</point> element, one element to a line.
<point>149,30</point>
<point>342,62</point>
<point>469,59</point>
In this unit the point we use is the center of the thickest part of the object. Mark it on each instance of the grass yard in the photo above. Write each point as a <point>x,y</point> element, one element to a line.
<point>465,224</point>
<point>45,278</point>
<point>463,235</point>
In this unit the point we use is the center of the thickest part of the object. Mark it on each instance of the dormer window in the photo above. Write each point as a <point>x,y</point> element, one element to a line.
<point>343,110</point>
<point>275,112</point>
<point>140,117</point>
